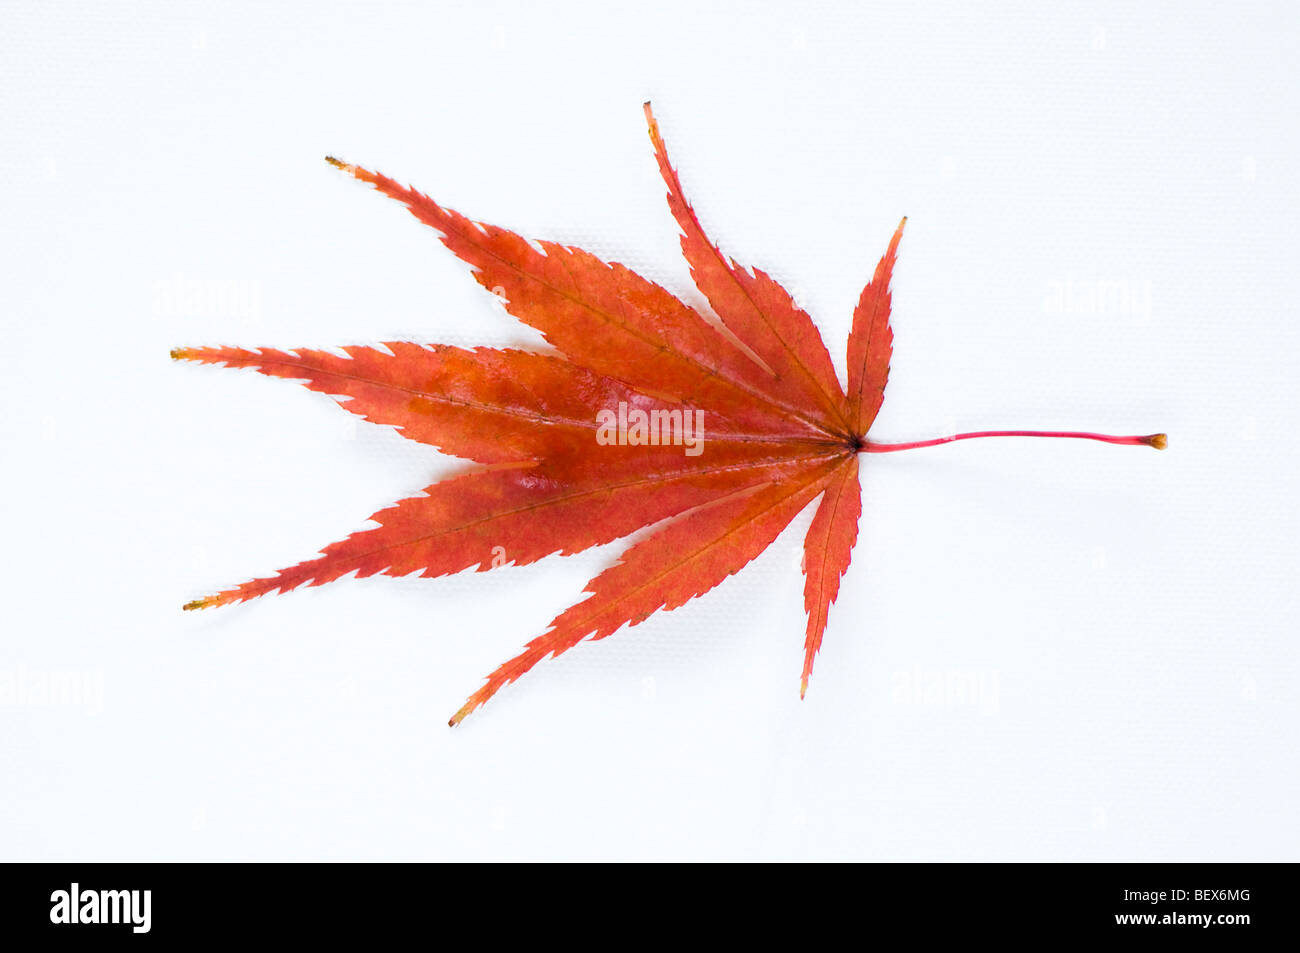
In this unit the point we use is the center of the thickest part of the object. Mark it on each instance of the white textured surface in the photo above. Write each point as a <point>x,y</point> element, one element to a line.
<point>1125,620</point>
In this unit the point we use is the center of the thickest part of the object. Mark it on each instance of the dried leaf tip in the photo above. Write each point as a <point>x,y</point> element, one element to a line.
<point>356,171</point>
<point>203,603</point>
<point>181,353</point>
<point>347,167</point>
<point>651,123</point>
<point>1157,440</point>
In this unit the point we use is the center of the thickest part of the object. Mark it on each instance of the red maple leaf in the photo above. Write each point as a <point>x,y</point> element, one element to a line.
<point>654,415</point>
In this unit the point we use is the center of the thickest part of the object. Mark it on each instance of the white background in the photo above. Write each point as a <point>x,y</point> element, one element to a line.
<point>1043,650</point>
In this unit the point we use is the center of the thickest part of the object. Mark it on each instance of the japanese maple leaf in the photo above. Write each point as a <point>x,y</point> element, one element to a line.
<point>716,436</point>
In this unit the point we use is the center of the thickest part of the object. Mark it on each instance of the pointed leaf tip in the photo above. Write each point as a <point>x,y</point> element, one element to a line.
<point>348,167</point>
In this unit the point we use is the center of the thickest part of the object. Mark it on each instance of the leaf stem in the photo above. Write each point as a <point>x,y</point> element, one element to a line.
<point>1157,440</point>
